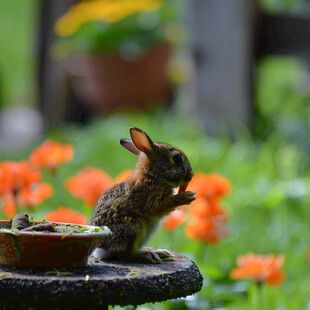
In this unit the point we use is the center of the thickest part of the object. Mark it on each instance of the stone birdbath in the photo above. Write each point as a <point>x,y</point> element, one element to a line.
<point>91,284</point>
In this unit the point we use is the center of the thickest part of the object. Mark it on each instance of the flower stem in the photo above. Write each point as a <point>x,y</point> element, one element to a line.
<point>201,256</point>
<point>171,241</point>
<point>58,188</point>
<point>260,296</point>
<point>17,205</point>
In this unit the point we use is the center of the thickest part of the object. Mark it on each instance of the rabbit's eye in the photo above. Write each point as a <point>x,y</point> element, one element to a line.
<point>177,159</point>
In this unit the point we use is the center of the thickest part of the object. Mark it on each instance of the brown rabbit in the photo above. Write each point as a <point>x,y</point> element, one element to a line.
<point>132,209</point>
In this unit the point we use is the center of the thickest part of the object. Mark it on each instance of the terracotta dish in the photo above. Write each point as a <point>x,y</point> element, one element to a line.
<point>44,249</point>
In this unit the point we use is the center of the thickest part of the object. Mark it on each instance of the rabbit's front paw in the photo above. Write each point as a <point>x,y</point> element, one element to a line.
<point>186,198</point>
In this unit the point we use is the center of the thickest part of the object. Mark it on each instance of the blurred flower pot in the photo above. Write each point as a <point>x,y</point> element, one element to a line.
<point>108,82</point>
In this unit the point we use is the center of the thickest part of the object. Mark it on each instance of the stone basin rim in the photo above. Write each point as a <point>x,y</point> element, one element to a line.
<point>104,230</point>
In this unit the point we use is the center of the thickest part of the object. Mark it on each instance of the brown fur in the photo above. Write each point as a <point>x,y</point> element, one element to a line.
<point>132,209</point>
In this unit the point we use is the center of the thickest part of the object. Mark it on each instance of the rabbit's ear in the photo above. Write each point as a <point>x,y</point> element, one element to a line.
<point>141,140</point>
<point>129,146</point>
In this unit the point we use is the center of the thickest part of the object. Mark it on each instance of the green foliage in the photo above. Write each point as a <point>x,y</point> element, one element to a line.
<point>17,63</point>
<point>267,208</point>
<point>269,204</point>
<point>275,6</point>
<point>128,37</point>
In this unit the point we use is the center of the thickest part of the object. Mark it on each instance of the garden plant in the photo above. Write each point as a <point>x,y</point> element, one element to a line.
<point>247,231</point>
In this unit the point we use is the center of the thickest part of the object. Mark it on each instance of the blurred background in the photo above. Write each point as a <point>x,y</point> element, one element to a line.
<point>227,81</point>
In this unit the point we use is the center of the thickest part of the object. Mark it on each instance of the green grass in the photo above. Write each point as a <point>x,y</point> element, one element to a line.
<point>268,209</point>
<point>18,19</point>
<point>269,171</point>
<point>269,204</point>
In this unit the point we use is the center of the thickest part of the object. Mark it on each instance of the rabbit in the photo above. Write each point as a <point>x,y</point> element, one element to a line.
<point>132,209</point>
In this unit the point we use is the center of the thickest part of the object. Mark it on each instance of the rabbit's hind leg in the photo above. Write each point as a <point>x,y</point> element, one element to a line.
<point>147,257</point>
<point>163,254</point>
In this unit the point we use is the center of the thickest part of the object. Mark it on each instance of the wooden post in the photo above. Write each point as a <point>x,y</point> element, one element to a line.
<point>55,97</point>
<point>221,33</point>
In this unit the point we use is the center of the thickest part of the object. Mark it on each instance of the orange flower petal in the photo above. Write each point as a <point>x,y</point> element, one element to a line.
<point>207,229</point>
<point>200,207</point>
<point>9,208</point>
<point>89,184</point>
<point>50,154</point>
<point>66,215</point>
<point>174,219</point>
<point>260,268</point>
<point>7,177</point>
<point>209,185</point>
<point>16,175</point>
<point>27,174</point>
<point>221,184</point>
<point>32,196</point>
<point>276,278</point>
<point>121,177</point>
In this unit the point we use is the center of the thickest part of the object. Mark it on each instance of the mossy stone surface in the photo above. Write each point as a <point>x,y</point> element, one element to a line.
<point>101,284</point>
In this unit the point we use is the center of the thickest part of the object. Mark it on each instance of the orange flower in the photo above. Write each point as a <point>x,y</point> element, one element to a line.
<point>16,180</point>
<point>209,185</point>
<point>9,208</point>
<point>121,177</point>
<point>26,175</point>
<point>89,184</point>
<point>208,216</point>
<point>7,176</point>
<point>210,229</point>
<point>260,268</point>
<point>34,195</point>
<point>208,221</point>
<point>50,154</point>
<point>174,219</point>
<point>16,175</point>
<point>202,207</point>
<point>66,215</point>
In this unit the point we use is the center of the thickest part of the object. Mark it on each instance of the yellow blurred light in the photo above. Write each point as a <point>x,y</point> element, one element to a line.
<point>109,11</point>
<point>177,71</point>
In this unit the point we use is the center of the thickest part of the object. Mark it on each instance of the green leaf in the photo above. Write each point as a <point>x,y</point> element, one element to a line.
<point>59,273</point>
